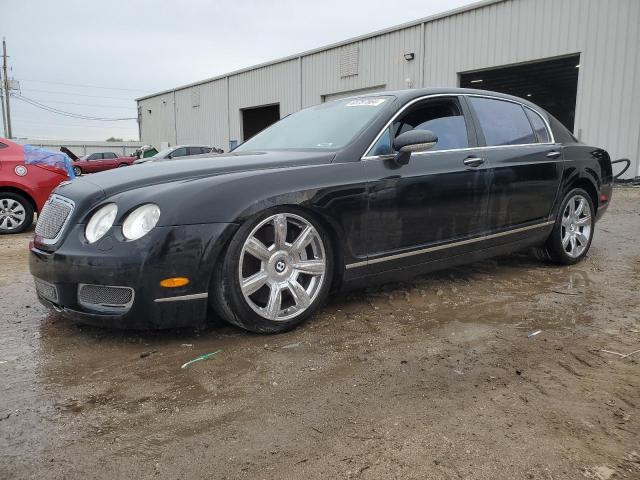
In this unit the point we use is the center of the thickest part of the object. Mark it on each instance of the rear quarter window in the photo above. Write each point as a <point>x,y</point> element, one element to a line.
<point>538,126</point>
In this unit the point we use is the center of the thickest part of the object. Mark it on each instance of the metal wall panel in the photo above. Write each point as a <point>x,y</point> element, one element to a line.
<point>277,83</point>
<point>157,120</point>
<point>381,64</point>
<point>207,122</point>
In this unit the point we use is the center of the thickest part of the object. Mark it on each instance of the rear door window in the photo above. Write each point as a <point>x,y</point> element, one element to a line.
<point>179,152</point>
<point>502,122</point>
<point>195,150</point>
<point>110,155</point>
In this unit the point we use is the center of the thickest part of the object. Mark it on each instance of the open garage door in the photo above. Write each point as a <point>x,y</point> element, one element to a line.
<point>256,119</point>
<point>552,84</point>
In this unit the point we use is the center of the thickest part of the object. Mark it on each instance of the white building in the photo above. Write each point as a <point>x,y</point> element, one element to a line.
<point>579,59</point>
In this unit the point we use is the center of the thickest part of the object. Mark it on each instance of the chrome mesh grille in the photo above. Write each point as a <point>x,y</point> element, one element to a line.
<point>53,217</point>
<point>46,290</point>
<point>103,297</point>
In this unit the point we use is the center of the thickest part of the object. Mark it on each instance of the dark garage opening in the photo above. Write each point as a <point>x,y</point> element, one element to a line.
<point>551,84</point>
<point>256,119</point>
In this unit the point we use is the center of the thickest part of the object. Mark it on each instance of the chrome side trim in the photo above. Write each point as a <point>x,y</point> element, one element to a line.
<point>435,95</point>
<point>448,245</point>
<point>182,298</point>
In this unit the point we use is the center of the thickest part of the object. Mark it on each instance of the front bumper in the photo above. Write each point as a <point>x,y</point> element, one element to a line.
<point>178,251</point>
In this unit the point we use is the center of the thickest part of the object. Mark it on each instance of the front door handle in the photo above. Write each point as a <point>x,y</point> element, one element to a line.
<point>473,161</point>
<point>553,154</point>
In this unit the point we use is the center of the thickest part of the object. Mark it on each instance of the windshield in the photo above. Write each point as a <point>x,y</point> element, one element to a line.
<point>163,153</point>
<point>324,127</point>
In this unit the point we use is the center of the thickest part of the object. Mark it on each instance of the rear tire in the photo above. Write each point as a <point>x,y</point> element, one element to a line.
<point>123,165</point>
<point>275,273</point>
<point>16,213</point>
<point>572,233</point>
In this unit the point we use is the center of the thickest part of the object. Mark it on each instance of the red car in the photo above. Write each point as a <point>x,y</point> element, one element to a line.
<point>97,162</point>
<point>23,188</point>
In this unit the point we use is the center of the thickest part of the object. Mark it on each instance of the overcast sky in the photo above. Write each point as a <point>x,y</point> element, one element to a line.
<point>94,57</point>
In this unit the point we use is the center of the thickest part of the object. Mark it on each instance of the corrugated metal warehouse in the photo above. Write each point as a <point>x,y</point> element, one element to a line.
<point>579,59</point>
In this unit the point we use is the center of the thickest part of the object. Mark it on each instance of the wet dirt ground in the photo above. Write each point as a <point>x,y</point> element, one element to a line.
<point>433,378</point>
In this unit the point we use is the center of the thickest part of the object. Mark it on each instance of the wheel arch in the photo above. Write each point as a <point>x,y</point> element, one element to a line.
<point>19,191</point>
<point>588,186</point>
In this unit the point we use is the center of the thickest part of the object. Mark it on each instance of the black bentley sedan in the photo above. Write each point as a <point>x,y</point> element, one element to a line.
<point>365,189</point>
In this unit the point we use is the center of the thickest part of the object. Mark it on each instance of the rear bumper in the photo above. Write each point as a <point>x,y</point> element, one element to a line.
<point>605,194</point>
<point>186,251</point>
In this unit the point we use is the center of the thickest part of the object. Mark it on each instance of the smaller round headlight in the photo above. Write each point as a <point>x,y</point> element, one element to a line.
<point>101,222</point>
<point>140,222</point>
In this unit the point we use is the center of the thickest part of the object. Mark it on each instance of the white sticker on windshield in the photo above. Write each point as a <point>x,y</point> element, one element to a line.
<point>366,102</point>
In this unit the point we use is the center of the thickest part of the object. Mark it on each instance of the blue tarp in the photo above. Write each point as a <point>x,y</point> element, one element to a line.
<point>38,155</point>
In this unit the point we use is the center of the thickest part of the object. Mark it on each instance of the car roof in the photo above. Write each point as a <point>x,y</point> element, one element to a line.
<point>191,145</point>
<point>410,94</point>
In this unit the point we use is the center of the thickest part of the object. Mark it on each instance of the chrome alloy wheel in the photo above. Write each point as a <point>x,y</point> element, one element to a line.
<point>12,214</point>
<point>576,226</point>
<point>282,266</point>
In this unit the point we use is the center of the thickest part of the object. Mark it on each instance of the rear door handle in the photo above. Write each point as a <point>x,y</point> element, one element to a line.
<point>553,154</point>
<point>473,161</point>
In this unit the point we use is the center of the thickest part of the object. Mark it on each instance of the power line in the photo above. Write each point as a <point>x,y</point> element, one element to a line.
<point>73,94</point>
<point>73,125</point>
<point>92,105</point>
<point>87,86</point>
<point>65,113</point>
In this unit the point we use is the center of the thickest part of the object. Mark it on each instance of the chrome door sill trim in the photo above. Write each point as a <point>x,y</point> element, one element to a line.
<point>181,298</point>
<point>447,245</point>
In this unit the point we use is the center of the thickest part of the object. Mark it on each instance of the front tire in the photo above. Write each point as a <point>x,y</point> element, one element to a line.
<point>77,171</point>
<point>16,213</point>
<point>573,231</point>
<point>275,273</point>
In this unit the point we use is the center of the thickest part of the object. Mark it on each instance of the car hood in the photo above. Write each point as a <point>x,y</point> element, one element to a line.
<point>119,180</point>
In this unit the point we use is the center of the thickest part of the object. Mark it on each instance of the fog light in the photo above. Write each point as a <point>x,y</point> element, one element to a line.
<point>174,282</point>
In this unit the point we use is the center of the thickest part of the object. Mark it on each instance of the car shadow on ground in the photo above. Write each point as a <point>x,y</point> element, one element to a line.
<point>499,271</point>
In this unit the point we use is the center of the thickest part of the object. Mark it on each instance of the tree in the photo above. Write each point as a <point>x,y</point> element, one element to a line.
<point>113,139</point>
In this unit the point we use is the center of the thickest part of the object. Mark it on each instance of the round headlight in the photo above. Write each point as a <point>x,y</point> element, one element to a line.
<point>101,222</point>
<point>140,222</point>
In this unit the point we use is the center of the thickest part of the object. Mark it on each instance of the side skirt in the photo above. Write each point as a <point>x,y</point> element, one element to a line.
<point>404,273</point>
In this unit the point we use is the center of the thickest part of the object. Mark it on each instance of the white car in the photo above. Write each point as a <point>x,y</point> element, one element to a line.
<point>178,152</point>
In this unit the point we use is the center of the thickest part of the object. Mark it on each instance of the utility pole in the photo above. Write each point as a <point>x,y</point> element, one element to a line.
<point>4,117</point>
<point>6,88</point>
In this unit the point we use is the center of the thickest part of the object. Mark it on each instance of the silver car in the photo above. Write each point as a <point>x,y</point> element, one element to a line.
<point>178,151</point>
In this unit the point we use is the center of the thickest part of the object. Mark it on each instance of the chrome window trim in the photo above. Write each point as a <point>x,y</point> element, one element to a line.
<point>447,245</point>
<point>68,201</point>
<point>435,95</point>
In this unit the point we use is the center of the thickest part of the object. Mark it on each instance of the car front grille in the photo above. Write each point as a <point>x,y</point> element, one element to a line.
<point>105,298</point>
<point>46,290</point>
<point>53,217</point>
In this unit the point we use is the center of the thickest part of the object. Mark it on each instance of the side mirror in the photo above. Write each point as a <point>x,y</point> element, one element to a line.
<point>413,141</point>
